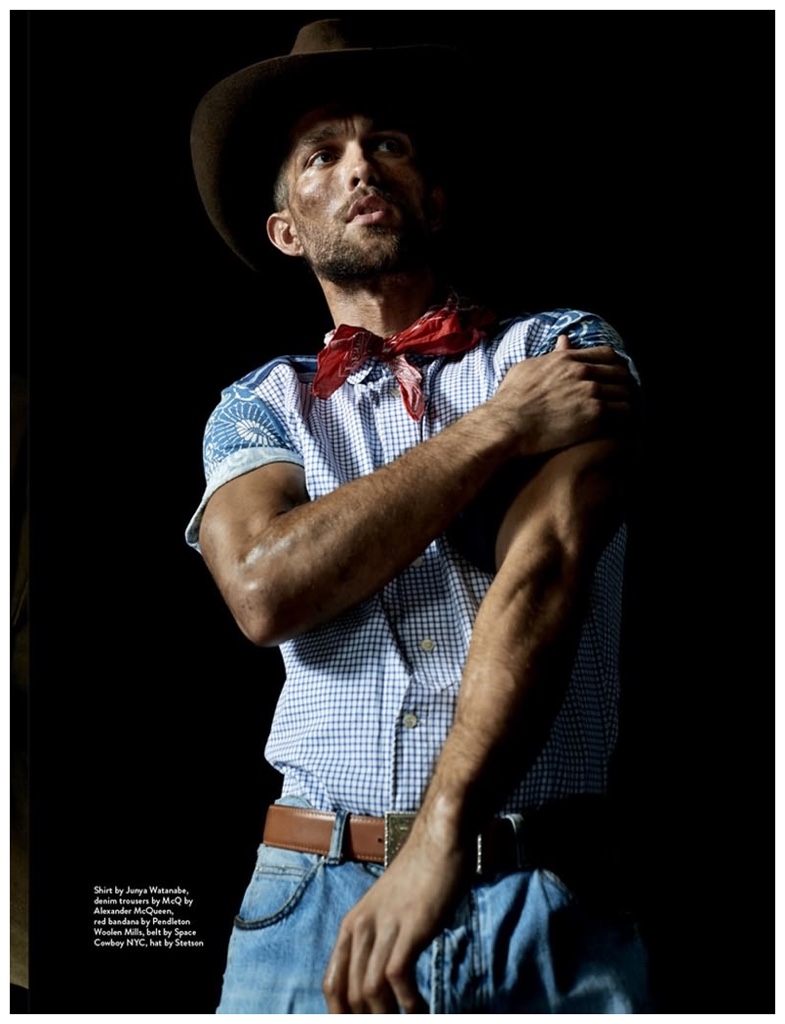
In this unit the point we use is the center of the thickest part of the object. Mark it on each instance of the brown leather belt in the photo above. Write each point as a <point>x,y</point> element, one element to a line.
<point>377,840</point>
<point>576,839</point>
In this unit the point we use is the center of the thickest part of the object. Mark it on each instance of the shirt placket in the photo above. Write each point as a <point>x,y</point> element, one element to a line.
<point>397,432</point>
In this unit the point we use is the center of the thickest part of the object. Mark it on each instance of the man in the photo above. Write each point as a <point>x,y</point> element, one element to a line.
<point>426,520</point>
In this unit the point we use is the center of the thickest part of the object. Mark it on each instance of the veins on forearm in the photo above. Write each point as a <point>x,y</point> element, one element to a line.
<point>515,677</point>
<point>525,635</point>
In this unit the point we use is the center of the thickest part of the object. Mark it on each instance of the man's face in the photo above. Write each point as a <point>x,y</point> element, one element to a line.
<point>358,206</point>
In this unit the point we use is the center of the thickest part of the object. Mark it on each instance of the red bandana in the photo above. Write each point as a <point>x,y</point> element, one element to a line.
<point>439,332</point>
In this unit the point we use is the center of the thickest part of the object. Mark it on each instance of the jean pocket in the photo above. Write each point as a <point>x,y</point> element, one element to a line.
<point>279,882</point>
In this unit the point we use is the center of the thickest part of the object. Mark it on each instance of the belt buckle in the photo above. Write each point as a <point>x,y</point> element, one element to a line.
<point>397,825</point>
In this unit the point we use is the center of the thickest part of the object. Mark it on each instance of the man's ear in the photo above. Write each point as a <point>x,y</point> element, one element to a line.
<point>283,234</point>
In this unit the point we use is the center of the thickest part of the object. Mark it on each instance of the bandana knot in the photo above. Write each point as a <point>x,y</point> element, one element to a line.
<point>442,331</point>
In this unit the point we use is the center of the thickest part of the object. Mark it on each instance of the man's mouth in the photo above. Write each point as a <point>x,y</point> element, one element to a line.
<point>368,210</point>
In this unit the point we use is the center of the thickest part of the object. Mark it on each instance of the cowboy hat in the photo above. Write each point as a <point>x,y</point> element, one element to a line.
<point>239,133</point>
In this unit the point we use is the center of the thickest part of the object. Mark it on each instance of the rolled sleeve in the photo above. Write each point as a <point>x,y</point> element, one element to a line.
<point>245,431</point>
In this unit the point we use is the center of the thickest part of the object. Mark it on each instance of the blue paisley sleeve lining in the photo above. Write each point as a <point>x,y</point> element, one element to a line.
<point>528,337</point>
<point>244,432</point>
<point>235,465</point>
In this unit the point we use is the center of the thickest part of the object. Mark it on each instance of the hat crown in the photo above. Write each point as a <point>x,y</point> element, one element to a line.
<point>328,34</point>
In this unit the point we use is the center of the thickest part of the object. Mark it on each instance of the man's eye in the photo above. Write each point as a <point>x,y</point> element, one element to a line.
<point>324,156</point>
<point>389,145</point>
<point>393,143</point>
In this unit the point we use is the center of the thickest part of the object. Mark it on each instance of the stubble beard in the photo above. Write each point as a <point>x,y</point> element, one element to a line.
<point>379,252</point>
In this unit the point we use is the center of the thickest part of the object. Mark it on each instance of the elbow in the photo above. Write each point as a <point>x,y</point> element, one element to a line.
<point>260,614</point>
<point>259,631</point>
<point>257,584</point>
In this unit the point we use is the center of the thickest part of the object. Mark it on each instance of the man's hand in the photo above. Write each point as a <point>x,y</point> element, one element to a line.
<point>372,966</point>
<point>517,668</point>
<point>566,397</point>
<point>285,564</point>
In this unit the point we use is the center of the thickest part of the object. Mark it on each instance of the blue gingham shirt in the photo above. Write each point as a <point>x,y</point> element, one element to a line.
<point>369,697</point>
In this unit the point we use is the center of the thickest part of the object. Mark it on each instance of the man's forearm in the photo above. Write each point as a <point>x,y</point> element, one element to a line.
<point>524,636</point>
<point>307,563</point>
<point>285,564</point>
<point>512,681</point>
<point>516,670</point>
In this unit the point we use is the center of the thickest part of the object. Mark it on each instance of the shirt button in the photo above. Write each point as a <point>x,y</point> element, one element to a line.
<point>418,561</point>
<point>395,389</point>
<point>410,720</point>
<point>427,644</point>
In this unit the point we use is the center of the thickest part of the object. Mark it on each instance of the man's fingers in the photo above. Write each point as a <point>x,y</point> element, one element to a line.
<point>607,372</point>
<point>371,972</point>
<point>369,990</point>
<point>562,342</point>
<point>595,354</point>
<point>335,982</point>
<point>401,976</point>
<point>362,944</point>
<point>361,976</point>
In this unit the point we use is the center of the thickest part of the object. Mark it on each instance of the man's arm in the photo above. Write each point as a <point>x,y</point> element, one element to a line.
<point>516,671</point>
<point>285,564</point>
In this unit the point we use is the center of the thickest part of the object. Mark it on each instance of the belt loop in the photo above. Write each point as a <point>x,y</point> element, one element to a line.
<point>516,820</point>
<point>335,854</point>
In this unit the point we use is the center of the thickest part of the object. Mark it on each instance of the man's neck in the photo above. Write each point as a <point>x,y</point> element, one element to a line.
<point>384,305</point>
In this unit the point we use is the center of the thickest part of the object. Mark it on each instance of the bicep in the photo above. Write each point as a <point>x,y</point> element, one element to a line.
<point>241,510</point>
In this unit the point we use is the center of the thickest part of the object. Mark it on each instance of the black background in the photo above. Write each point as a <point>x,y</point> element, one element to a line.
<point>625,168</point>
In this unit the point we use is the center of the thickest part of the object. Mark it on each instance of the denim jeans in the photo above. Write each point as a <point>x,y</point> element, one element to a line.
<point>518,943</point>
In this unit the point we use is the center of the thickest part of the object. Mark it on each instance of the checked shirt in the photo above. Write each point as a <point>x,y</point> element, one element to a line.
<point>369,698</point>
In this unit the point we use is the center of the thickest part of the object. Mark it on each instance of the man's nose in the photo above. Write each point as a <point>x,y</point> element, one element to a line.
<point>360,170</point>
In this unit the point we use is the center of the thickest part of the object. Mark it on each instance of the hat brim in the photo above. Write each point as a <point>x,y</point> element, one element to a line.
<point>240,130</point>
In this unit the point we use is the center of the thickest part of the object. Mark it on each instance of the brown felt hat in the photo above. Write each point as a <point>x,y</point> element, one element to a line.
<point>239,134</point>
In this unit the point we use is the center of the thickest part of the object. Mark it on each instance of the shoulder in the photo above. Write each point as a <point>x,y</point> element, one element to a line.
<point>299,368</point>
<point>264,392</point>
<point>256,423</point>
<point>531,335</point>
<point>538,332</point>
<point>256,411</point>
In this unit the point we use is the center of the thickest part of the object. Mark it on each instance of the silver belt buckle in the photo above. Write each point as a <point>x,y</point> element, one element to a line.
<point>397,825</point>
